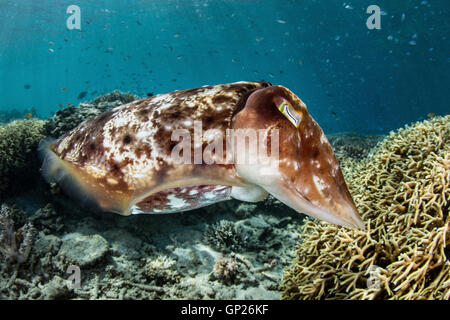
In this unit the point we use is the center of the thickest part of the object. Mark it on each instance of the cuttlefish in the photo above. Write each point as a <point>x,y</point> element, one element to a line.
<point>122,160</point>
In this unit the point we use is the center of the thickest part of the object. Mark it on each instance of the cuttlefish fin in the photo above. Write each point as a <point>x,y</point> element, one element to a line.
<point>79,184</point>
<point>181,195</point>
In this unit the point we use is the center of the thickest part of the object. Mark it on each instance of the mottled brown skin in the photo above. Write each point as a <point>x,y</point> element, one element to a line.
<point>304,152</point>
<point>107,153</point>
<point>122,159</point>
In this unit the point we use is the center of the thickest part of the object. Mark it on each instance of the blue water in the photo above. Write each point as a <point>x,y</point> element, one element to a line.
<point>351,78</point>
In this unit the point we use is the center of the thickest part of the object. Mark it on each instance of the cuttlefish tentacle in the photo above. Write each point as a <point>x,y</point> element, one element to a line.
<point>122,160</point>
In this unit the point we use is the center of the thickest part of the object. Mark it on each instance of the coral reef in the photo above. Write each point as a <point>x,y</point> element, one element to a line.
<point>47,220</point>
<point>18,157</point>
<point>150,256</point>
<point>402,191</point>
<point>116,96</point>
<point>353,146</point>
<point>66,119</point>
<point>14,114</point>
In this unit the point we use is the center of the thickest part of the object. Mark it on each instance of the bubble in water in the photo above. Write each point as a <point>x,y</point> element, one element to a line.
<point>348,6</point>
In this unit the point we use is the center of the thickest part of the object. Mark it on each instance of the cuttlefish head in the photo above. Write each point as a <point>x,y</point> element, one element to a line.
<point>305,174</point>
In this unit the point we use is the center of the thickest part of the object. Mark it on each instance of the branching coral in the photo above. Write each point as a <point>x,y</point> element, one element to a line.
<point>225,236</point>
<point>66,119</point>
<point>15,245</point>
<point>402,191</point>
<point>18,157</point>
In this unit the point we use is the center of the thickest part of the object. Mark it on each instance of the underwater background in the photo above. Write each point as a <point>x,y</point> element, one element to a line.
<point>380,95</point>
<point>352,79</point>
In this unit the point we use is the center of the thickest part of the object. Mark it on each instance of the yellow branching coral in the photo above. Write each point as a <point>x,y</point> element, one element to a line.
<point>402,190</point>
<point>18,155</point>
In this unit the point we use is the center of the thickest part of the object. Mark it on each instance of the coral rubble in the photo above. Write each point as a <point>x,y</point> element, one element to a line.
<point>402,191</point>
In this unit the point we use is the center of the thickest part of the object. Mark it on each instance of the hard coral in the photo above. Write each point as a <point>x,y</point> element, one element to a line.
<point>402,192</point>
<point>225,236</point>
<point>161,270</point>
<point>66,119</point>
<point>225,270</point>
<point>15,245</point>
<point>18,158</point>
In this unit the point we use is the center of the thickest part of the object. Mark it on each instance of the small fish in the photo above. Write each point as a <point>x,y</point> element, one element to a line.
<point>281,21</point>
<point>51,50</point>
<point>27,86</point>
<point>150,94</point>
<point>82,95</point>
<point>63,89</point>
<point>122,160</point>
<point>28,114</point>
<point>68,103</point>
<point>60,105</point>
<point>431,114</point>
